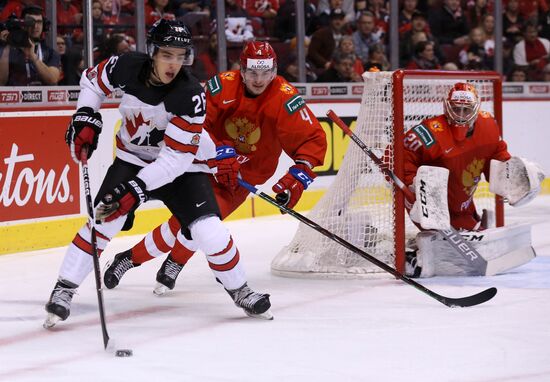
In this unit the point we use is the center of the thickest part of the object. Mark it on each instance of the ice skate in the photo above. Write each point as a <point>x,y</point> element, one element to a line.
<point>59,304</point>
<point>167,275</point>
<point>115,270</point>
<point>254,304</point>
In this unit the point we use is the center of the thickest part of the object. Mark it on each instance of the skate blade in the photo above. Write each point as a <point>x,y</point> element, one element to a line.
<point>50,321</point>
<point>160,289</point>
<point>264,316</point>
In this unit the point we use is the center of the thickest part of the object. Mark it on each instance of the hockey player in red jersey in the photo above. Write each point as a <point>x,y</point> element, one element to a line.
<point>466,142</point>
<point>253,115</point>
<point>162,153</point>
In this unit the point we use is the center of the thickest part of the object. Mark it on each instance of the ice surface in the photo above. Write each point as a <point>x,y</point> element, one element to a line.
<point>324,330</point>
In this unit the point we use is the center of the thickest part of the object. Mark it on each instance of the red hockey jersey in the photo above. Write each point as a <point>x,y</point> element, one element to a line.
<point>432,143</point>
<point>261,127</point>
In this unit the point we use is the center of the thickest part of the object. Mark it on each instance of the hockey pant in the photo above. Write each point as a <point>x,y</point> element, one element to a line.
<point>163,238</point>
<point>190,199</point>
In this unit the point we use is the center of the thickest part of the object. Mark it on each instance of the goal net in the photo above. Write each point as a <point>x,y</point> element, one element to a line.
<point>361,205</point>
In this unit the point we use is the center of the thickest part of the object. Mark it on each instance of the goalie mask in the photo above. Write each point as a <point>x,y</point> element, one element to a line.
<point>258,66</point>
<point>461,109</point>
<point>170,34</point>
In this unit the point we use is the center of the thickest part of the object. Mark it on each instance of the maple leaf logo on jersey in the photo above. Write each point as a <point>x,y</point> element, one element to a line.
<point>140,132</point>
<point>472,175</point>
<point>244,133</point>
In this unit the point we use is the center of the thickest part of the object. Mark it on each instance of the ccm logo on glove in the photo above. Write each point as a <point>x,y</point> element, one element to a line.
<point>296,180</point>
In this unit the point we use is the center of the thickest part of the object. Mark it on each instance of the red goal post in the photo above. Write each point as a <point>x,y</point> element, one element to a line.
<point>360,205</point>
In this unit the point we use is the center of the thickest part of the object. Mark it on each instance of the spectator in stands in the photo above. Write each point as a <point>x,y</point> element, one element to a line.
<point>262,14</point>
<point>115,45</point>
<point>71,63</point>
<point>325,40</point>
<point>517,75</point>
<point>99,31</point>
<point>478,54</point>
<point>325,8</point>
<point>419,31</point>
<point>110,16</point>
<point>183,7</point>
<point>377,58</point>
<point>156,10</point>
<point>347,45</point>
<point>406,15</point>
<point>531,8</point>
<point>27,59</point>
<point>546,73</point>
<point>449,66</point>
<point>380,10</point>
<point>513,22</point>
<point>532,52</point>
<point>365,36</point>
<point>205,65</point>
<point>448,24</point>
<point>285,23</point>
<point>544,24</point>
<point>424,57</point>
<point>341,69</point>
<point>15,7</point>
<point>475,11</point>
<point>68,16</point>
<point>488,25</point>
<point>290,70</point>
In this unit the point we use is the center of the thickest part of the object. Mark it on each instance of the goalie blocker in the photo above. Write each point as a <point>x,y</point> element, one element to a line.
<point>503,248</point>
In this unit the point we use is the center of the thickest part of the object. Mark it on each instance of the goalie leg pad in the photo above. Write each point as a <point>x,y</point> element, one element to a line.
<point>504,248</point>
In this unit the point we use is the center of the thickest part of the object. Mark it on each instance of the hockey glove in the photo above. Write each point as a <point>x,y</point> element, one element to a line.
<point>296,180</point>
<point>83,130</point>
<point>121,200</point>
<point>228,167</point>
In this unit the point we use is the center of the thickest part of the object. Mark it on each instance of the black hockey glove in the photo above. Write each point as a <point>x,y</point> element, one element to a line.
<point>83,130</point>
<point>121,200</point>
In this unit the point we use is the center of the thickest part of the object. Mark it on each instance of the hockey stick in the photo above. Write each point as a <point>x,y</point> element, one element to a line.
<point>97,271</point>
<point>453,237</point>
<point>462,302</point>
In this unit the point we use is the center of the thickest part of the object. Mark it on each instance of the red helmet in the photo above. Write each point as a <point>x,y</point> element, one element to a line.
<point>461,108</point>
<point>258,55</point>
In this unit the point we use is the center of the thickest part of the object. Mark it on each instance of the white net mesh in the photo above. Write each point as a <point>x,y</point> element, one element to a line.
<point>359,204</point>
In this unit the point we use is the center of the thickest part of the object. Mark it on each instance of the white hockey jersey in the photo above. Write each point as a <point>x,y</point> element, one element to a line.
<point>162,126</point>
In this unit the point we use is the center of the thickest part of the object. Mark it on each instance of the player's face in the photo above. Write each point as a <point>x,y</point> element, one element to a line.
<point>256,81</point>
<point>168,62</point>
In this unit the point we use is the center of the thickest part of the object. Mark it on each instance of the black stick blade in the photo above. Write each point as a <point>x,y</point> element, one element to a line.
<point>475,299</point>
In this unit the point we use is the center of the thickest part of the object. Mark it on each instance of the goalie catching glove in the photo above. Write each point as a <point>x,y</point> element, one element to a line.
<point>517,180</point>
<point>121,200</point>
<point>228,167</point>
<point>293,184</point>
<point>84,130</point>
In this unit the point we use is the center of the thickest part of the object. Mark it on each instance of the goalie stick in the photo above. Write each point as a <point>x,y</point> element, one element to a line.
<point>453,237</point>
<point>97,272</point>
<point>462,302</point>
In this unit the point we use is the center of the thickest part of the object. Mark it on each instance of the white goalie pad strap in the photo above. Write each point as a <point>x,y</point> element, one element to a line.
<point>517,180</point>
<point>504,248</point>
<point>431,209</point>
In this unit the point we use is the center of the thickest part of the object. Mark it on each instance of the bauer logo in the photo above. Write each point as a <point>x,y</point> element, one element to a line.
<point>294,104</point>
<point>31,95</point>
<point>57,95</point>
<point>9,97</point>
<point>33,182</point>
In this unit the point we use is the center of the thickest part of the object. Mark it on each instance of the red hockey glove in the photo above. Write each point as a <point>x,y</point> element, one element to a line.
<point>121,200</point>
<point>296,180</point>
<point>83,130</point>
<point>228,167</point>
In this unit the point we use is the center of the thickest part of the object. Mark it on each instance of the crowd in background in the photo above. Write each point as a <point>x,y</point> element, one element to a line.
<point>343,37</point>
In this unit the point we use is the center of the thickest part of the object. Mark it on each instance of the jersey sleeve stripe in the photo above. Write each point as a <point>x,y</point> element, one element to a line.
<point>194,120</point>
<point>225,250</point>
<point>100,71</point>
<point>186,126</point>
<point>172,143</point>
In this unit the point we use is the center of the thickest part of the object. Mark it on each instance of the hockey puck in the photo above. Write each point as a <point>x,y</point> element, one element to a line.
<point>124,353</point>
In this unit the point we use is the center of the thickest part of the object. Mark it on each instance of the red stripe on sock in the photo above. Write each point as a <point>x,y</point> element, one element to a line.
<point>227,266</point>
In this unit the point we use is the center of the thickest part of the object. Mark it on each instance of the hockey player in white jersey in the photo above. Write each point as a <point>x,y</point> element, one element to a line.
<point>162,152</point>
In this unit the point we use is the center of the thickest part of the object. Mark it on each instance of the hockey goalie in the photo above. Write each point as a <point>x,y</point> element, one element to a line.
<point>444,159</point>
